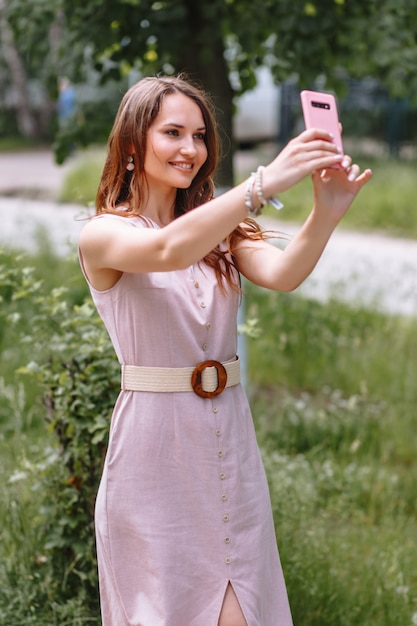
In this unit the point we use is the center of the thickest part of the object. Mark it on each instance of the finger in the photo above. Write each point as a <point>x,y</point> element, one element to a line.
<point>346,162</point>
<point>321,160</point>
<point>315,133</point>
<point>353,172</point>
<point>317,150</point>
<point>325,175</point>
<point>364,177</point>
<point>319,144</point>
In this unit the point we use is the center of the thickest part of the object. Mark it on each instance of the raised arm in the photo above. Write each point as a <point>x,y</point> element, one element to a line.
<point>112,245</point>
<point>284,270</point>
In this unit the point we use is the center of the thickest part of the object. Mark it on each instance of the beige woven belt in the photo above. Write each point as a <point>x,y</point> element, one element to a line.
<point>207,379</point>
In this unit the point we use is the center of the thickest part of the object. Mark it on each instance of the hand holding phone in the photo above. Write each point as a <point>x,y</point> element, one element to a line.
<point>320,111</point>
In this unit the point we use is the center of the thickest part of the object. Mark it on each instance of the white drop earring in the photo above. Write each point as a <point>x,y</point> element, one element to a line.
<point>130,165</point>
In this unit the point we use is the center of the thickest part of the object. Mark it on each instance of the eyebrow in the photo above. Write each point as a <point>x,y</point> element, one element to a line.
<point>181,125</point>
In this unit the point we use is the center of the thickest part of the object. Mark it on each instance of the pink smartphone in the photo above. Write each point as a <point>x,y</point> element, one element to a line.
<point>320,111</point>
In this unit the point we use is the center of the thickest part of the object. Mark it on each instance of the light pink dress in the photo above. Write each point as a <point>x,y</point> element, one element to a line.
<point>183,506</point>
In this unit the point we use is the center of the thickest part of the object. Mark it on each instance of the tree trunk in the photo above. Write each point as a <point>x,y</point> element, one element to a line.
<point>205,62</point>
<point>51,68</point>
<point>25,119</point>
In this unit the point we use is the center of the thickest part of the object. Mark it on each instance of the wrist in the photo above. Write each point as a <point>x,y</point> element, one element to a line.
<point>255,196</point>
<point>251,199</point>
<point>325,220</point>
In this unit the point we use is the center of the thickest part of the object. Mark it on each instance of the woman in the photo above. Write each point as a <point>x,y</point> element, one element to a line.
<point>185,535</point>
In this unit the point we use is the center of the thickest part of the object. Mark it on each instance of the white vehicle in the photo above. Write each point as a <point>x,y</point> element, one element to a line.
<point>258,111</point>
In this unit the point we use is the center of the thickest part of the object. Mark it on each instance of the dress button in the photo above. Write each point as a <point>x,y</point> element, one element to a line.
<point>208,325</point>
<point>222,475</point>
<point>196,283</point>
<point>225,518</point>
<point>224,497</point>
<point>220,453</point>
<point>205,346</point>
<point>228,560</point>
<point>227,540</point>
<point>218,432</point>
<point>215,409</point>
<point>203,305</point>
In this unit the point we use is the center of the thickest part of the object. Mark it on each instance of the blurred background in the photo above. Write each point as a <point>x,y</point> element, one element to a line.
<point>65,64</point>
<point>331,369</point>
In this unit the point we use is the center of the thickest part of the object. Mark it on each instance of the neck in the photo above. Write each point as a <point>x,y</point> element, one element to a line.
<point>160,207</point>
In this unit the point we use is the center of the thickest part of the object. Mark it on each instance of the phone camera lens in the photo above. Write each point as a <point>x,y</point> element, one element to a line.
<point>321,105</point>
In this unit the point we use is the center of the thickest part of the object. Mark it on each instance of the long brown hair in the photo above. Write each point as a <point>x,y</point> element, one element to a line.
<point>120,187</point>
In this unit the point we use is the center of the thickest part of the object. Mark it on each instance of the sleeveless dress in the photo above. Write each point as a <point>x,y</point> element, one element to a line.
<point>183,506</point>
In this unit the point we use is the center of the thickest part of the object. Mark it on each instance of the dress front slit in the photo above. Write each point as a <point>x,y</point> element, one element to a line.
<point>235,600</point>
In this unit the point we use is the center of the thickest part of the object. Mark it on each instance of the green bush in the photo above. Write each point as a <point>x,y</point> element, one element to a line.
<point>75,368</point>
<point>80,379</point>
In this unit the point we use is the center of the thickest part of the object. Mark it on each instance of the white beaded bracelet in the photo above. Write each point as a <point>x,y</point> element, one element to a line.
<point>252,211</point>
<point>258,185</point>
<point>259,190</point>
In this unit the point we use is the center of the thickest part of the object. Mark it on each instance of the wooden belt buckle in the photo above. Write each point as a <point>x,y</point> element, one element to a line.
<point>197,384</point>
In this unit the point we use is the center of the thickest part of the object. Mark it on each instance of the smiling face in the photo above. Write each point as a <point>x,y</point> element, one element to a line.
<point>175,146</point>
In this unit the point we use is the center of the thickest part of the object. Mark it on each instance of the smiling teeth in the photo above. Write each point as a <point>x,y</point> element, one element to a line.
<point>184,166</point>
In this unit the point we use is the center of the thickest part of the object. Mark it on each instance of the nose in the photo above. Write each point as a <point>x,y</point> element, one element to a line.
<point>188,146</point>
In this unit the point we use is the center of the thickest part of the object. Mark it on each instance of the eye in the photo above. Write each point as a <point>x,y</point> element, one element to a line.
<point>200,136</point>
<point>173,132</point>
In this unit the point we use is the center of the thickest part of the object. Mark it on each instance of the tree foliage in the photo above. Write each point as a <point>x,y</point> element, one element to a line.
<point>220,43</point>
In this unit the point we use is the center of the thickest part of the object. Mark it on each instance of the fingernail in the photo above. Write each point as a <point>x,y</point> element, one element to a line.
<point>351,177</point>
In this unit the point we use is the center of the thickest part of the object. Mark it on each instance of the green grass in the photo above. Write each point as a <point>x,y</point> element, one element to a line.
<point>13,144</point>
<point>387,203</point>
<point>80,184</point>
<point>334,397</point>
<point>344,345</point>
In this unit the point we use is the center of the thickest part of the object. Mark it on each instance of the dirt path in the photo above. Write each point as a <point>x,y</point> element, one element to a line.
<point>31,171</point>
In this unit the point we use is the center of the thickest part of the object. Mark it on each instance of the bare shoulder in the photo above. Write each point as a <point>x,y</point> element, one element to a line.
<point>98,229</point>
<point>97,238</point>
<point>105,222</point>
